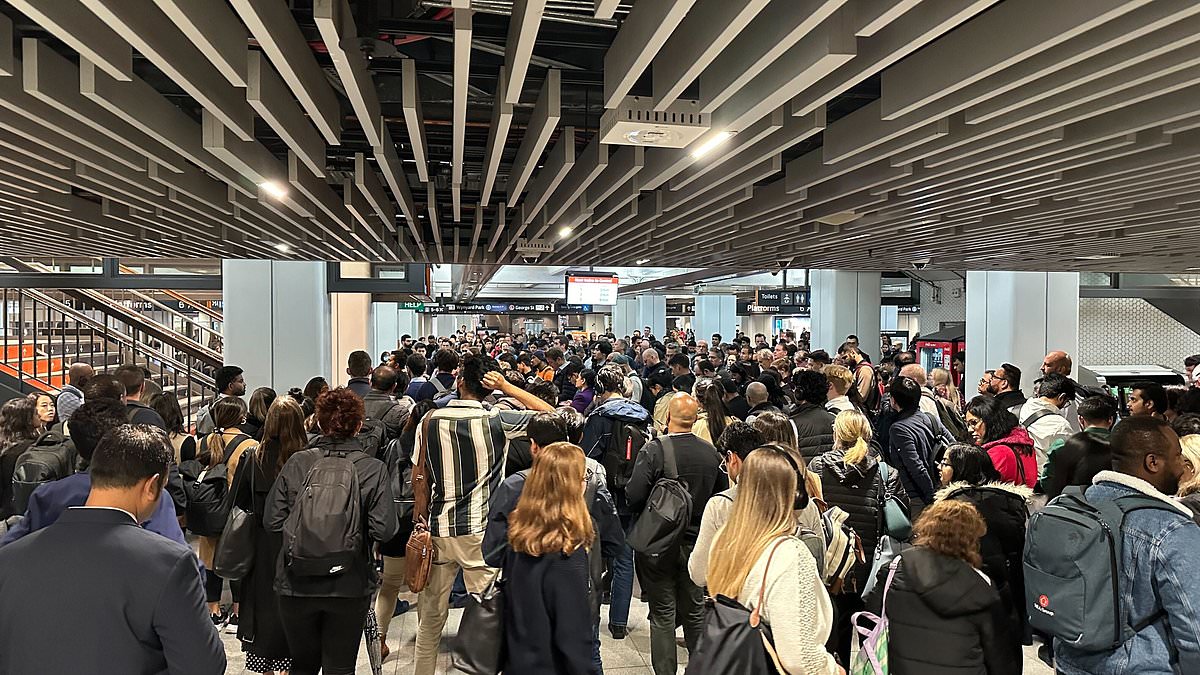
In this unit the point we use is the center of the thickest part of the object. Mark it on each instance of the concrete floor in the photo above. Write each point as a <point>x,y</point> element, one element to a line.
<point>621,657</point>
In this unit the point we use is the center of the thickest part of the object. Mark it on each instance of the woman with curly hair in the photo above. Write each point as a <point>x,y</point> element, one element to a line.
<point>323,601</point>
<point>943,614</point>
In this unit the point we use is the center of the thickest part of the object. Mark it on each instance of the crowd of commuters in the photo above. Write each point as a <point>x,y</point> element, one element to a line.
<point>810,489</point>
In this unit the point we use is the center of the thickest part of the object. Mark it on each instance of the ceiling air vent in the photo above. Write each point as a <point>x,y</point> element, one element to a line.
<point>635,122</point>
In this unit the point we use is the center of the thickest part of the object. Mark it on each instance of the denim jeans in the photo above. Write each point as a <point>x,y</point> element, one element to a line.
<point>671,596</point>
<point>596,649</point>
<point>622,586</point>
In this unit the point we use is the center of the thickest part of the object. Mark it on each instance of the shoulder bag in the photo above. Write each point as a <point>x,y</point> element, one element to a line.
<point>479,647</point>
<point>419,552</point>
<point>234,556</point>
<point>895,522</point>
<point>872,656</point>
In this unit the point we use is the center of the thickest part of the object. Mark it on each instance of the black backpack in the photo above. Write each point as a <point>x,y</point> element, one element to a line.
<point>953,422</point>
<point>50,457</point>
<point>668,510</point>
<point>625,440</point>
<point>207,491</point>
<point>372,437</point>
<point>735,641</point>
<point>323,535</point>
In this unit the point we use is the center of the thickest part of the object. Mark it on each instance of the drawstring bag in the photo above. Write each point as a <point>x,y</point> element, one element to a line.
<point>872,656</point>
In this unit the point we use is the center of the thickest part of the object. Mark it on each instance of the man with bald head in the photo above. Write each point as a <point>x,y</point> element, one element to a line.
<point>917,373</point>
<point>71,396</point>
<point>669,589</point>
<point>652,363</point>
<point>1060,362</point>
<point>757,397</point>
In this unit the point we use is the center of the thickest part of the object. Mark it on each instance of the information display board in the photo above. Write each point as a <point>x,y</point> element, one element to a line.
<point>586,289</point>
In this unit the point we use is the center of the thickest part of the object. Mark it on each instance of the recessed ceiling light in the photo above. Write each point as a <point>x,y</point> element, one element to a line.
<point>273,188</point>
<point>643,261</point>
<point>283,248</point>
<point>564,232</point>
<point>1101,256</point>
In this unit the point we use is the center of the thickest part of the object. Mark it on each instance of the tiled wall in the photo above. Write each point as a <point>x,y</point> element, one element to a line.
<point>950,308</point>
<point>1131,331</point>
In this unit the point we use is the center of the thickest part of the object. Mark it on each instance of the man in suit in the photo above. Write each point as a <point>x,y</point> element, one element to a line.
<point>130,601</point>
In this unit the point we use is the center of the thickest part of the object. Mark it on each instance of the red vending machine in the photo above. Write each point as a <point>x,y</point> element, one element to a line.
<point>937,350</point>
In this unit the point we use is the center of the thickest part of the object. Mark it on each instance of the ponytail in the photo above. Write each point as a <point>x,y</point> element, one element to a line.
<point>857,452</point>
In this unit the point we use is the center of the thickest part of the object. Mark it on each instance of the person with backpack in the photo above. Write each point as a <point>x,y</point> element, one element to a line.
<point>464,446</point>
<point>260,627</point>
<point>682,457</point>
<point>757,568</point>
<point>18,431</point>
<point>207,481</point>
<point>915,439</point>
<point>968,475</point>
<point>1078,458</point>
<point>89,423</point>
<point>1151,624</point>
<point>330,502</point>
<point>942,614</point>
<point>167,407</point>
<point>614,435</point>
<point>134,380</point>
<point>996,430</point>
<point>814,424</point>
<point>380,402</point>
<point>547,430</point>
<point>230,381</point>
<point>1042,416</point>
<point>441,383</point>
<point>854,479</point>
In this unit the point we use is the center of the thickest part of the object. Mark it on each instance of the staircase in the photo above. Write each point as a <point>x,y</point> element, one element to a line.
<point>44,331</point>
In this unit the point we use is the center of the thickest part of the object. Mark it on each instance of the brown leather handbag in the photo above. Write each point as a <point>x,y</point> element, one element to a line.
<point>420,554</point>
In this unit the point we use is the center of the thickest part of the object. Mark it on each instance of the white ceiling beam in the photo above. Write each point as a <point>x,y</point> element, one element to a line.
<point>215,30</point>
<point>277,33</point>
<point>7,67</point>
<point>81,30</point>
<point>498,227</point>
<point>195,184</point>
<point>642,34</point>
<point>875,15</point>
<point>414,118</point>
<point>367,182</point>
<point>502,113</point>
<point>559,161</point>
<point>777,29</point>
<point>605,9</point>
<point>476,234</point>
<point>589,164</point>
<point>20,145</point>
<point>706,30</point>
<point>156,37</point>
<point>971,53</point>
<point>522,35</point>
<point>271,99</point>
<point>542,121</point>
<point>393,174</point>
<point>431,210</point>
<point>336,25</point>
<point>456,203</point>
<point>462,77</point>
<point>765,127</point>
<point>829,46</point>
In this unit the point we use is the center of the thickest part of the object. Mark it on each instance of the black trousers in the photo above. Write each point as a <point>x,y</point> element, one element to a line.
<point>323,634</point>
<point>213,585</point>
<point>673,600</point>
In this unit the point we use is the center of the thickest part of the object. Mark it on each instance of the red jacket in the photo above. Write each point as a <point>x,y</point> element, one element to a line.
<point>1005,451</point>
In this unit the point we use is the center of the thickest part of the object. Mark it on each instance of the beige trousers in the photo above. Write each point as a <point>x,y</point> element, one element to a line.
<point>433,603</point>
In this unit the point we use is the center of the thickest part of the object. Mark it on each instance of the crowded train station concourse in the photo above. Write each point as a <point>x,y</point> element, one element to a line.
<point>573,337</point>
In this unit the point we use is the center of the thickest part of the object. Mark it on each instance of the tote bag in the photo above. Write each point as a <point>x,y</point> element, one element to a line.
<point>872,656</point>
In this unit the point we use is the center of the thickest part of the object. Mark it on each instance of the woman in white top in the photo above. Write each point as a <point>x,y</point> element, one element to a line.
<point>795,604</point>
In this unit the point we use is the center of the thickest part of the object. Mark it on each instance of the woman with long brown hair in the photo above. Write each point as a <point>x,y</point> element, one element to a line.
<point>260,628</point>
<point>755,555</point>
<point>547,627</point>
<point>19,427</point>
<point>943,614</point>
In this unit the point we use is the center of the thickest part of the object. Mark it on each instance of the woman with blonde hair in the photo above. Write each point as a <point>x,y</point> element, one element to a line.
<point>854,478</point>
<point>943,614</point>
<point>547,627</point>
<point>756,560</point>
<point>1189,483</point>
<point>944,388</point>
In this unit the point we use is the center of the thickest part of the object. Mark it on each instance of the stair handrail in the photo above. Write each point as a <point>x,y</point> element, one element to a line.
<point>197,305</point>
<point>196,374</point>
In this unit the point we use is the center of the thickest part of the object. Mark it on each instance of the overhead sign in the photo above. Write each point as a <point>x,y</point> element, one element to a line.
<point>585,289</point>
<point>419,306</point>
<point>788,301</point>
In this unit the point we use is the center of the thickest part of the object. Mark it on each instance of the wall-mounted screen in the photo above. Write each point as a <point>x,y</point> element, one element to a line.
<point>591,289</point>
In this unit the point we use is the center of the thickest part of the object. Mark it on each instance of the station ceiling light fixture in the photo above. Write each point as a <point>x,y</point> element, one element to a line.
<point>564,232</point>
<point>712,143</point>
<point>274,189</point>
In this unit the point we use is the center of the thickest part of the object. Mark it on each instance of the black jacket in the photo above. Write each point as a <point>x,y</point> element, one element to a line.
<point>259,612</point>
<point>738,407</point>
<point>699,466</point>
<point>546,632</point>
<point>944,618</point>
<point>914,440</point>
<point>857,490</point>
<point>1011,399</point>
<point>378,518</point>
<point>566,390</point>
<point>140,413</point>
<point>1004,510</point>
<point>130,600</point>
<point>814,429</point>
<point>382,406</point>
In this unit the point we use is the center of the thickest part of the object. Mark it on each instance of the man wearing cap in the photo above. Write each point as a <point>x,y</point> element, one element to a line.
<point>541,369</point>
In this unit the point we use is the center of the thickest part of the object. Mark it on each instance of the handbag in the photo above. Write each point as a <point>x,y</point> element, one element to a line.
<point>479,647</point>
<point>872,656</point>
<point>419,552</point>
<point>887,550</point>
<point>895,522</point>
<point>234,555</point>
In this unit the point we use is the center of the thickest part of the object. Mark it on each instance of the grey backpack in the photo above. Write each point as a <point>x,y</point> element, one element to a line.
<point>1072,567</point>
<point>322,536</point>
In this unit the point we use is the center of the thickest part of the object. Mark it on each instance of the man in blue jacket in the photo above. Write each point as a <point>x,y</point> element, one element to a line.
<point>1160,553</point>
<point>914,438</point>
<point>88,425</point>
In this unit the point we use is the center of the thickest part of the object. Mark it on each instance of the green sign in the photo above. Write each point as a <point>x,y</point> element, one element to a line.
<point>419,306</point>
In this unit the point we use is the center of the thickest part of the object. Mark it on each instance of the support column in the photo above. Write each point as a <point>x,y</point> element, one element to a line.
<point>845,303</point>
<point>277,321</point>
<point>388,323</point>
<point>351,316</point>
<point>652,311</point>
<point>715,314</point>
<point>625,316</point>
<point>1018,317</point>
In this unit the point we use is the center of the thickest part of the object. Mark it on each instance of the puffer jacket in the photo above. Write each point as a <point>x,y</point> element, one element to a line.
<point>1005,510</point>
<point>814,429</point>
<point>599,427</point>
<point>855,488</point>
<point>1005,453</point>
<point>943,618</point>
